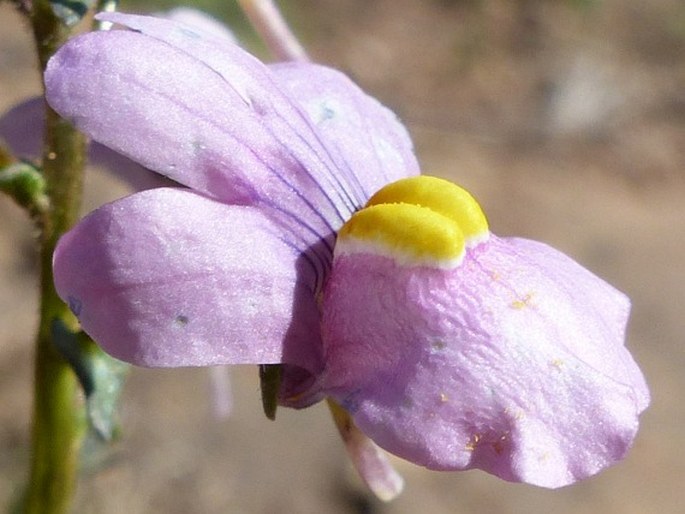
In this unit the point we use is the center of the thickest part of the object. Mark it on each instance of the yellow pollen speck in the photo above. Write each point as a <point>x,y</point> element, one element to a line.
<point>417,220</point>
<point>557,363</point>
<point>444,398</point>
<point>473,443</point>
<point>522,302</point>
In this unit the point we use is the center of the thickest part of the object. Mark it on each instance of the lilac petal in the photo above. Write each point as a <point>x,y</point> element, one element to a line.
<point>130,172</point>
<point>512,362</point>
<point>368,459</point>
<point>204,113</point>
<point>365,136</point>
<point>167,277</point>
<point>22,127</point>
<point>200,21</point>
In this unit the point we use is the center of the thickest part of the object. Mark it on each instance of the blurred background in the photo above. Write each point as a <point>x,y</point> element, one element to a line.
<point>566,118</point>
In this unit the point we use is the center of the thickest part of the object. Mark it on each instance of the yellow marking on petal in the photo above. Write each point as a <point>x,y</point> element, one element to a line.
<point>409,233</point>
<point>441,196</point>
<point>444,398</point>
<point>416,221</point>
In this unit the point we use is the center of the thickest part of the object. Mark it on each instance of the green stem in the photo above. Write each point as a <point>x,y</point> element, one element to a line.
<point>59,414</point>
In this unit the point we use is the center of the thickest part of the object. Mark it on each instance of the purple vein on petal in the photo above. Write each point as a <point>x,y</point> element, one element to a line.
<point>281,178</point>
<point>212,181</point>
<point>159,30</point>
<point>354,202</point>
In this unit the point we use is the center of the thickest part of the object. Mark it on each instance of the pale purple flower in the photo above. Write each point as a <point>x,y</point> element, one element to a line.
<point>505,356</point>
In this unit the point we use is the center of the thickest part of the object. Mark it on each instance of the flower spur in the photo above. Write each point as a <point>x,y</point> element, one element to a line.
<point>305,237</point>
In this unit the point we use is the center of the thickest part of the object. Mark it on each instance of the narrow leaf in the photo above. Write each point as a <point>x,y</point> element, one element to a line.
<point>101,376</point>
<point>270,380</point>
<point>70,12</point>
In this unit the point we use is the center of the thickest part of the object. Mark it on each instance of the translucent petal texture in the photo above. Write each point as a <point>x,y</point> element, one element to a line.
<point>200,21</point>
<point>366,138</point>
<point>171,278</point>
<point>210,116</point>
<point>206,114</point>
<point>180,117</point>
<point>22,128</point>
<point>513,362</point>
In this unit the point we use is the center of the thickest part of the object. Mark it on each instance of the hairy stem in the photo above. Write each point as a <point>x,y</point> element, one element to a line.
<point>58,413</point>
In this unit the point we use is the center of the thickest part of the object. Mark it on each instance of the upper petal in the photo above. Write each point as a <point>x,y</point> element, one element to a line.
<point>369,143</point>
<point>167,277</point>
<point>22,128</point>
<point>205,113</point>
<point>200,20</point>
<point>513,362</point>
<point>23,125</point>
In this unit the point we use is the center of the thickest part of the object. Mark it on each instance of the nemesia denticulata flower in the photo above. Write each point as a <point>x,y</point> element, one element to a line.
<point>305,237</point>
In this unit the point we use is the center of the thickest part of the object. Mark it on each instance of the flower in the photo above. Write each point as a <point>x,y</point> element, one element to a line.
<point>304,236</point>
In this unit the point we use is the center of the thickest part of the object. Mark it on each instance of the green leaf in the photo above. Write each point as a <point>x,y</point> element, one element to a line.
<point>26,185</point>
<point>70,12</point>
<point>270,382</point>
<point>108,375</point>
<point>101,376</point>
